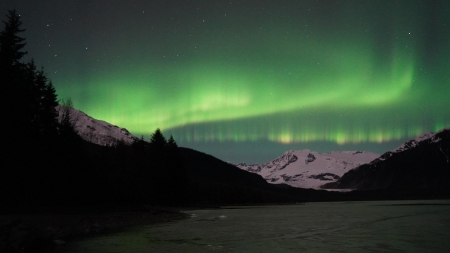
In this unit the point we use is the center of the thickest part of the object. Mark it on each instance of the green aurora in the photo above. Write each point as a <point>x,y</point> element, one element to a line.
<point>248,71</point>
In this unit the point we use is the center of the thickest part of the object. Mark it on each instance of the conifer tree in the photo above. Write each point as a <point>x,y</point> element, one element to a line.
<point>171,144</point>
<point>12,108</point>
<point>49,114</point>
<point>10,42</point>
<point>28,97</point>
<point>12,99</point>
<point>158,141</point>
<point>29,94</point>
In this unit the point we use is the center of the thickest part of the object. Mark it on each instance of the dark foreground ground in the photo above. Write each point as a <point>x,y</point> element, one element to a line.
<point>43,231</point>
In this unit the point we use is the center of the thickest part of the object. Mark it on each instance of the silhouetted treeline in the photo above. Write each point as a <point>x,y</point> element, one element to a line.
<point>30,127</point>
<point>45,162</point>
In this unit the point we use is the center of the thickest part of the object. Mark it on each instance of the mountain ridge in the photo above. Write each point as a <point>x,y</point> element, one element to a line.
<point>309,169</point>
<point>97,131</point>
<point>306,168</point>
<point>423,162</point>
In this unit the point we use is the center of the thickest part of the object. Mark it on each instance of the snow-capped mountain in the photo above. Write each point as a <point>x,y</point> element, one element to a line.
<point>309,169</point>
<point>98,131</point>
<point>422,163</point>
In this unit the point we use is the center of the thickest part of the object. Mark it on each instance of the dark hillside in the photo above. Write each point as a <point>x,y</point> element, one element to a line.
<point>423,168</point>
<point>213,181</point>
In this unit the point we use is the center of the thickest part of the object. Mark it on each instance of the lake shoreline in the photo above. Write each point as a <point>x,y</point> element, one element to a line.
<point>44,230</point>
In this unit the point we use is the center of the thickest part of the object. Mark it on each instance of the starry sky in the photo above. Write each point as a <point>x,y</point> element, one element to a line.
<point>247,80</point>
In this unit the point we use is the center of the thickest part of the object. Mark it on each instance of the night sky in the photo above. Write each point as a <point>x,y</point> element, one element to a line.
<point>246,80</point>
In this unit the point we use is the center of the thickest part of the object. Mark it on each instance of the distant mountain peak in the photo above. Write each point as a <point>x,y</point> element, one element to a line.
<point>309,169</point>
<point>99,131</point>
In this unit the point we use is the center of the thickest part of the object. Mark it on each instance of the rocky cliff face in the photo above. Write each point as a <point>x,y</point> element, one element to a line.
<point>420,163</point>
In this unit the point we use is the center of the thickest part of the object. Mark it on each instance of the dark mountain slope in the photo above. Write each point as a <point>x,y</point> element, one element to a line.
<point>213,181</point>
<point>417,166</point>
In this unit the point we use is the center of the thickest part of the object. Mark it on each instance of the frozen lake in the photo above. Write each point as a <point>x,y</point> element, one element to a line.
<point>381,226</point>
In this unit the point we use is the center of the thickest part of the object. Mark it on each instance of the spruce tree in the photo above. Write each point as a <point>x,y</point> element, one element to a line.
<point>29,105</point>
<point>28,99</point>
<point>158,141</point>
<point>49,114</point>
<point>10,42</point>
<point>13,100</point>
<point>12,108</point>
<point>171,144</point>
